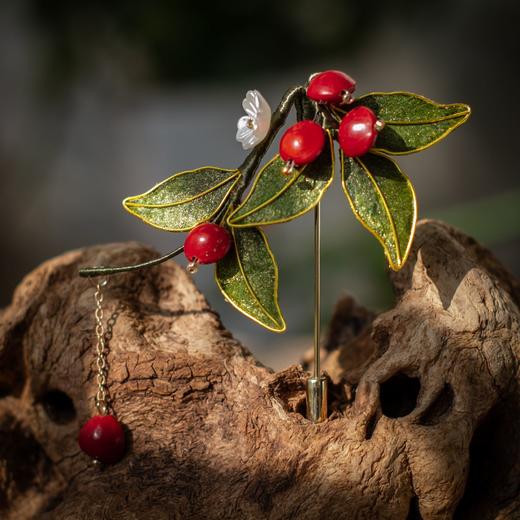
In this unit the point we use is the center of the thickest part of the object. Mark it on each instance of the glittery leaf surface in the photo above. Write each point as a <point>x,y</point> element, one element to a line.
<point>412,122</point>
<point>248,278</point>
<point>275,197</point>
<point>185,199</point>
<point>383,200</point>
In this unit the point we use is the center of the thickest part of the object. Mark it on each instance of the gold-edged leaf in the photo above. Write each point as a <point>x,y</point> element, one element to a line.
<point>248,278</point>
<point>275,197</point>
<point>383,200</point>
<point>185,199</point>
<point>412,122</point>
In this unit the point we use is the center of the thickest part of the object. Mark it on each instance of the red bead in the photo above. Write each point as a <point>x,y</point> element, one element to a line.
<point>102,437</point>
<point>357,132</point>
<point>330,86</point>
<point>302,143</point>
<point>207,243</point>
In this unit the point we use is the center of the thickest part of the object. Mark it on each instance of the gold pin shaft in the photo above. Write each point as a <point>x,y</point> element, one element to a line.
<point>317,384</point>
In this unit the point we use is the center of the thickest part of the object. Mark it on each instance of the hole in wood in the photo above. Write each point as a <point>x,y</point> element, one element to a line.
<point>288,388</point>
<point>398,395</point>
<point>58,406</point>
<point>439,407</point>
<point>414,513</point>
<point>4,391</point>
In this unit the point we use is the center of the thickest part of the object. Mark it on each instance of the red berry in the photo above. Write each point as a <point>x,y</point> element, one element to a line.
<point>330,87</point>
<point>102,438</point>
<point>302,143</point>
<point>357,131</point>
<point>207,243</point>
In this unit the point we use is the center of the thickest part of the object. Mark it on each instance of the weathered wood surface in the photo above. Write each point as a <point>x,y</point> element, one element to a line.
<point>425,399</point>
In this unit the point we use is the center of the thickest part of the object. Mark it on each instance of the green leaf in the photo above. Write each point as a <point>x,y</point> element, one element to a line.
<point>248,278</point>
<point>275,197</point>
<point>185,199</point>
<point>383,200</point>
<point>412,122</point>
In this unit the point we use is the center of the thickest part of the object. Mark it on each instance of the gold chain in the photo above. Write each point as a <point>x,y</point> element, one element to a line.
<point>101,354</point>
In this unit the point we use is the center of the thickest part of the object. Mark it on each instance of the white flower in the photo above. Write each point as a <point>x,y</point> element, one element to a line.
<point>253,128</point>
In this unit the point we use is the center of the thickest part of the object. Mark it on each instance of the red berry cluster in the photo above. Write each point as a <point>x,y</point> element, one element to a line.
<point>303,142</point>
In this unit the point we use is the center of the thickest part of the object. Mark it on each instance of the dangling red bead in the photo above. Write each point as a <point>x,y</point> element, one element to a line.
<point>207,243</point>
<point>102,437</point>
<point>358,131</point>
<point>331,86</point>
<point>302,143</point>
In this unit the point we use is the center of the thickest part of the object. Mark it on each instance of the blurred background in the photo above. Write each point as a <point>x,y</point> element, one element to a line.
<point>101,100</point>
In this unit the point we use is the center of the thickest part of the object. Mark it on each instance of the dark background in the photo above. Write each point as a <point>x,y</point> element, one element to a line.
<point>100,100</point>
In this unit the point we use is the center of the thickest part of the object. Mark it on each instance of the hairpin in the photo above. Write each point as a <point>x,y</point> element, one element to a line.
<point>224,210</point>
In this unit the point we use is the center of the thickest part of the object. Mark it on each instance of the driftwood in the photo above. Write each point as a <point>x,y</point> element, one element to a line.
<point>424,399</point>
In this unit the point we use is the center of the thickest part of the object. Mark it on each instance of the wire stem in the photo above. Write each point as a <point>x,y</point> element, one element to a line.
<point>317,289</point>
<point>89,272</point>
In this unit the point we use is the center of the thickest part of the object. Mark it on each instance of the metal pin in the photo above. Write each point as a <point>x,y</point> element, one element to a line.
<point>288,168</point>
<point>379,125</point>
<point>317,399</point>
<point>317,384</point>
<point>347,98</point>
<point>193,266</point>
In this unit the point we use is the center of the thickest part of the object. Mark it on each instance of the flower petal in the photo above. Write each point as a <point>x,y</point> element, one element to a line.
<point>253,128</point>
<point>250,142</point>
<point>251,103</point>
<point>263,105</point>
<point>243,133</point>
